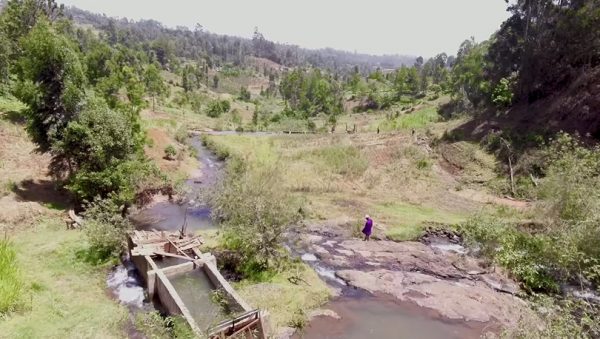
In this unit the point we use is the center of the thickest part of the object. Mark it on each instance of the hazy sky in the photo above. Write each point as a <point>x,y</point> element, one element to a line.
<point>416,27</point>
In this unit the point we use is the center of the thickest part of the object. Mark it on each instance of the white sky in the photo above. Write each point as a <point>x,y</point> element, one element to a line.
<point>416,27</point>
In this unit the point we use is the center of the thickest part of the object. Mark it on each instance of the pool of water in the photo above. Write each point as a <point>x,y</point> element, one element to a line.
<point>382,318</point>
<point>195,289</point>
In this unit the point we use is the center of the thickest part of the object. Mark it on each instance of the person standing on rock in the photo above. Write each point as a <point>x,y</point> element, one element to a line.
<point>368,228</point>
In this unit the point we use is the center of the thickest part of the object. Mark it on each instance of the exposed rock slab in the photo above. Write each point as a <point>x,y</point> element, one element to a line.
<point>461,300</point>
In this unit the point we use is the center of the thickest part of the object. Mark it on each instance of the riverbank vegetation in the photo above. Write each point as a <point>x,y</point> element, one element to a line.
<point>255,215</point>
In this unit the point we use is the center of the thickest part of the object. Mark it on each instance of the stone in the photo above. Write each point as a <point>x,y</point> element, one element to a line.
<point>285,332</point>
<point>464,300</point>
<point>323,313</point>
<point>345,252</point>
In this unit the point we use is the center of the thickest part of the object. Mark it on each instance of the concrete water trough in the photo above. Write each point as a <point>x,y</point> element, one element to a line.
<point>184,280</point>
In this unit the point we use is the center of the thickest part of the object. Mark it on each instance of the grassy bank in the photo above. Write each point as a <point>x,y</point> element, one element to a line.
<point>63,296</point>
<point>48,286</point>
<point>342,176</point>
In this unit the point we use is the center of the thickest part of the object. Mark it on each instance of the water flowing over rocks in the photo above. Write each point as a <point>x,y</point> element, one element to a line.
<point>438,276</point>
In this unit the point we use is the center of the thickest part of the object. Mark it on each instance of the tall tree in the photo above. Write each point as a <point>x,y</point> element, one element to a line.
<point>155,84</point>
<point>51,83</point>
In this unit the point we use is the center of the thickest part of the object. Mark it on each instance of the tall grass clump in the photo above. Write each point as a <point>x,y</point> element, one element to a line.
<point>343,160</point>
<point>418,119</point>
<point>10,279</point>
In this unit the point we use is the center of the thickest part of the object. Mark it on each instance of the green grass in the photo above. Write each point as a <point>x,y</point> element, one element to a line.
<point>64,297</point>
<point>287,303</point>
<point>10,105</point>
<point>416,120</point>
<point>343,160</point>
<point>10,278</point>
<point>406,221</point>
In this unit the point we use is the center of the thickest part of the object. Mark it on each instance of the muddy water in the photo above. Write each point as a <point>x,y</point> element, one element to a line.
<point>369,316</point>
<point>192,208</point>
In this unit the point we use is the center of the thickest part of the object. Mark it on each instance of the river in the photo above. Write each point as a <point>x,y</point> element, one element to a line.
<point>363,315</point>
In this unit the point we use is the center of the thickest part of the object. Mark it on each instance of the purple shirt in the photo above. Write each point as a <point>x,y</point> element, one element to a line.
<point>368,227</point>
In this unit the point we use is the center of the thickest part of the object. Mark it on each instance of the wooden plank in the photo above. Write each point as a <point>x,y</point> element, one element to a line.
<point>177,248</point>
<point>165,254</point>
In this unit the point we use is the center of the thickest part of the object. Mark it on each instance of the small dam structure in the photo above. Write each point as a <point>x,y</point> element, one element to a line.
<point>187,282</point>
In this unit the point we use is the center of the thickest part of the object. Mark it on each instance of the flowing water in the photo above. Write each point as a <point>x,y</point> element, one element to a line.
<point>193,209</point>
<point>124,281</point>
<point>126,285</point>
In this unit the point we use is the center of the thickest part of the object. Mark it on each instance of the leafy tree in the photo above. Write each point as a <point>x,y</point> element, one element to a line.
<point>51,83</point>
<point>502,95</point>
<point>218,107</point>
<point>468,77</point>
<point>255,212</point>
<point>20,16</point>
<point>154,82</point>
<point>97,139</point>
<point>311,92</point>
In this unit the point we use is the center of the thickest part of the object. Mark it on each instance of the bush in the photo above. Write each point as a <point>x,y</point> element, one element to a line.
<point>529,258</point>
<point>170,152</point>
<point>218,107</point>
<point>105,228</point>
<point>181,135</point>
<point>10,279</point>
<point>244,94</point>
<point>255,212</point>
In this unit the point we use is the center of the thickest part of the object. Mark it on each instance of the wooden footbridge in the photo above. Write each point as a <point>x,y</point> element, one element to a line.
<point>162,257</point>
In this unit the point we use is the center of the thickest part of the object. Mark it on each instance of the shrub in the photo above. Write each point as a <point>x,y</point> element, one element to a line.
<point>254,211</point>
<point>244,94</point>
<point>10,279</point>
<point>529,258</point>
<point>105,228</point>
<point>170,152</point>
<point>181,135</point>
<point>218,107</point>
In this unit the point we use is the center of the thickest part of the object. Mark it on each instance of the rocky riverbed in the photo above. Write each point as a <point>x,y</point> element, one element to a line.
<point>436,274</point>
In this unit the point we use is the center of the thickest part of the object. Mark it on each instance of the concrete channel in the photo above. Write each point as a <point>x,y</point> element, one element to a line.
<point>186,285</point>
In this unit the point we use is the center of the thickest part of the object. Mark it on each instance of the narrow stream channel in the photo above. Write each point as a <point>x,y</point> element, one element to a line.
<point>124,281</point>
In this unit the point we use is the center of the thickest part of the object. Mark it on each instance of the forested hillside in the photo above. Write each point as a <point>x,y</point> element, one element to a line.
<point>539,71</point>
<point>198,44</point>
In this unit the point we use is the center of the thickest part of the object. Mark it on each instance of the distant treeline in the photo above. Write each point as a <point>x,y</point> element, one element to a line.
<point>198,44</point>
